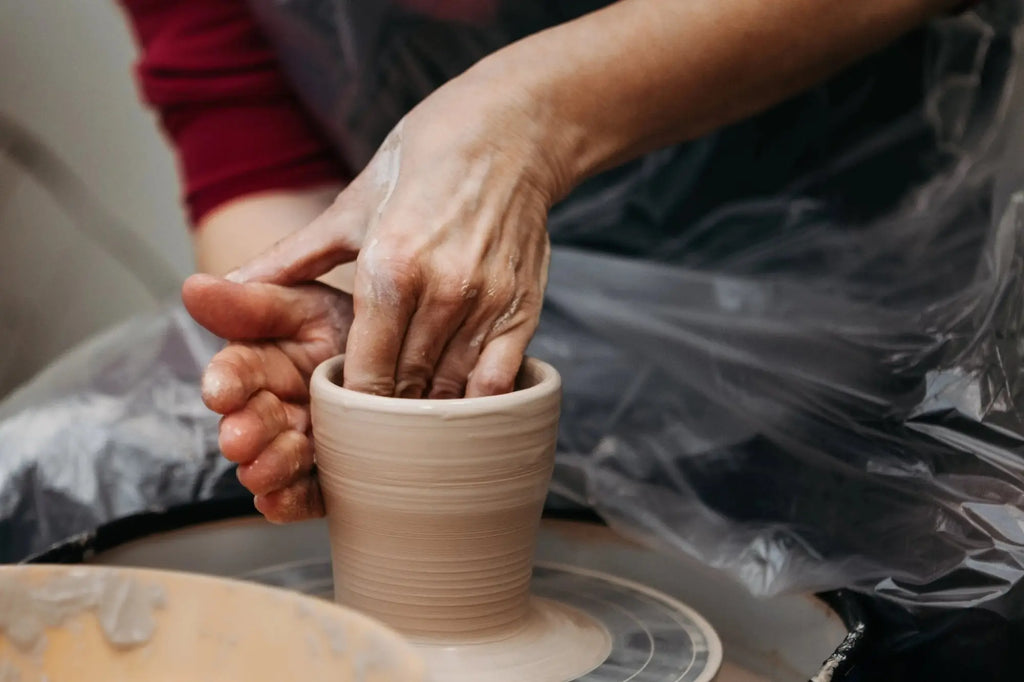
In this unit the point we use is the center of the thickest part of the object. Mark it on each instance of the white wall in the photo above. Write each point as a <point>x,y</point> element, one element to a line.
<point>65,76</point>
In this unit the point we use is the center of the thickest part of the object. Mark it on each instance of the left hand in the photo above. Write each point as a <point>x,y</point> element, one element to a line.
<point>447,224</point>
<point>260,381</point>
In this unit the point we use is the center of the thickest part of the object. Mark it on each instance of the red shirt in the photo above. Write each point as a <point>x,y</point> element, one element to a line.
<point>232,117</point>
<point>236,125</point>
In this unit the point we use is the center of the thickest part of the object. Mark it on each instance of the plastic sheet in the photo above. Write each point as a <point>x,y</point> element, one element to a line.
<point>115,427</point>
<point>800,365</point>
<point>791,349</point>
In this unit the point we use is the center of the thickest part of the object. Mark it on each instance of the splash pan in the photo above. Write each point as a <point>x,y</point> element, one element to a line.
<point>95,623</point>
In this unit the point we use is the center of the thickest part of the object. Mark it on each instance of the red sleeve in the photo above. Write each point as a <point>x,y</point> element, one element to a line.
<point>214,80</point>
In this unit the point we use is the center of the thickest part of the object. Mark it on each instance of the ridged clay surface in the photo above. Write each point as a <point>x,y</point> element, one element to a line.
<point>433,508</point>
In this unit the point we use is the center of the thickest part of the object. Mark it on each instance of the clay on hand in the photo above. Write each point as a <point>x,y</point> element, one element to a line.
<point>447,224</point>
<point>260,381</point>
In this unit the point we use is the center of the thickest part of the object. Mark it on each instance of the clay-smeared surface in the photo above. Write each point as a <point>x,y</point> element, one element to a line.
<point>433,508</point>
<point>123,606</point>
<point>89,623</point>
<point>781,638</point>
<point>556,643</point>
<point>654,638</point>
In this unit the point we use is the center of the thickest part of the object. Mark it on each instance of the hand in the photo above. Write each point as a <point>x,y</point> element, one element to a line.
<point>447,224</point>
<point>260,381</point>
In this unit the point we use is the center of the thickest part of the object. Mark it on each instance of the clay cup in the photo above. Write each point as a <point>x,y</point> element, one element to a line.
<point>434,505</point>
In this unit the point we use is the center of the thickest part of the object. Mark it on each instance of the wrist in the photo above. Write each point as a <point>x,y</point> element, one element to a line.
<point>638,75</point>
<point>525,107</point>
<point>580,96</point>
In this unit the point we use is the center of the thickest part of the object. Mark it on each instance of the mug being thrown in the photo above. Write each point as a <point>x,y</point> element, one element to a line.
<point>434,505</point>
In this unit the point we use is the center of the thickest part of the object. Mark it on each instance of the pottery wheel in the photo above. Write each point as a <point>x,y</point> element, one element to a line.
<point>652,637</point>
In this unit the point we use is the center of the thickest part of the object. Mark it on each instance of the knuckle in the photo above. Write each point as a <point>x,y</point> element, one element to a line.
<point>384,386</point>
<point>446,387</point>
<point>276,415</point>
<point>266,406</point>
<point>388,253</point>
<point>285,459</point>
<point>386,282</point>
<point>494,381</point>
<point>240,354</point>
<point>410,387</point>
<point>416,366</point>
<point>291,446</point>
<point>296,416</point>
<point>454,292</point>
<point>400,269</point>
<point>242,358</point>
<point>249,477</point>
<point>232,453</point>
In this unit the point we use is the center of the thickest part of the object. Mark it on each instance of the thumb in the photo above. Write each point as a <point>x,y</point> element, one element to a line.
<point>333,238</point>
<point>255,311</point>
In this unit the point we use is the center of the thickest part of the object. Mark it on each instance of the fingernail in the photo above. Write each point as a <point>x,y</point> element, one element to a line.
<point>257,500</point>
<point>235,276</point>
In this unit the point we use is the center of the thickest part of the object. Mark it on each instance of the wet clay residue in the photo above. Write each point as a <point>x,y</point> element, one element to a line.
<point>556,642</point>
<point>123,606</point>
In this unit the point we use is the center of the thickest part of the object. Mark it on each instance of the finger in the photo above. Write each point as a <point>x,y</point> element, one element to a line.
<point>383,304</point>
<point>496,370</point>
<point>297,502</point>
<point>242,312</point>
<point>333,238</point>
<point>432,326</point>
<point>457,361</point>
<point>246,433</point>
<point>240,370</point>
<point>286,460</point>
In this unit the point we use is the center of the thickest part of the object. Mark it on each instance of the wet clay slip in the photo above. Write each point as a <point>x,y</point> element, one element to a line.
<point>434,508</point>
<point>97,623</point>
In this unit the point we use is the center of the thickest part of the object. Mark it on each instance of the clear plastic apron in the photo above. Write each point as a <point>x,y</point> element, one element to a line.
<point>791,349</point>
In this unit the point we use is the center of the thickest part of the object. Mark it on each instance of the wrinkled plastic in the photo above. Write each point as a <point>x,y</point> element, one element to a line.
<point>791,349</point>
<point>113,428</point>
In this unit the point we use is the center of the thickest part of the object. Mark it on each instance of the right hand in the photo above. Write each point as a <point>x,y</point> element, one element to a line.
<point>260,381</point>
<point>447,225</point>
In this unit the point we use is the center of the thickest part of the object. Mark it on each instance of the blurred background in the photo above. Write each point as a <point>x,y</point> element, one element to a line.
<point>88,192</point>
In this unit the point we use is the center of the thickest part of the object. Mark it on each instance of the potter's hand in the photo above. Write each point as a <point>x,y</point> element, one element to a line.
<point>260,381</point>
<point>448,219</point>
<point>449,224</point>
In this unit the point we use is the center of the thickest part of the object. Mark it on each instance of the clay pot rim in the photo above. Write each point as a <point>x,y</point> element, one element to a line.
<point>322,387</point>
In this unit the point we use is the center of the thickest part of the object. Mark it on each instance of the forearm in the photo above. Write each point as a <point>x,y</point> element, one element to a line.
<point>228,110</point>
<point>642,74</point>
<point>242,229</point>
